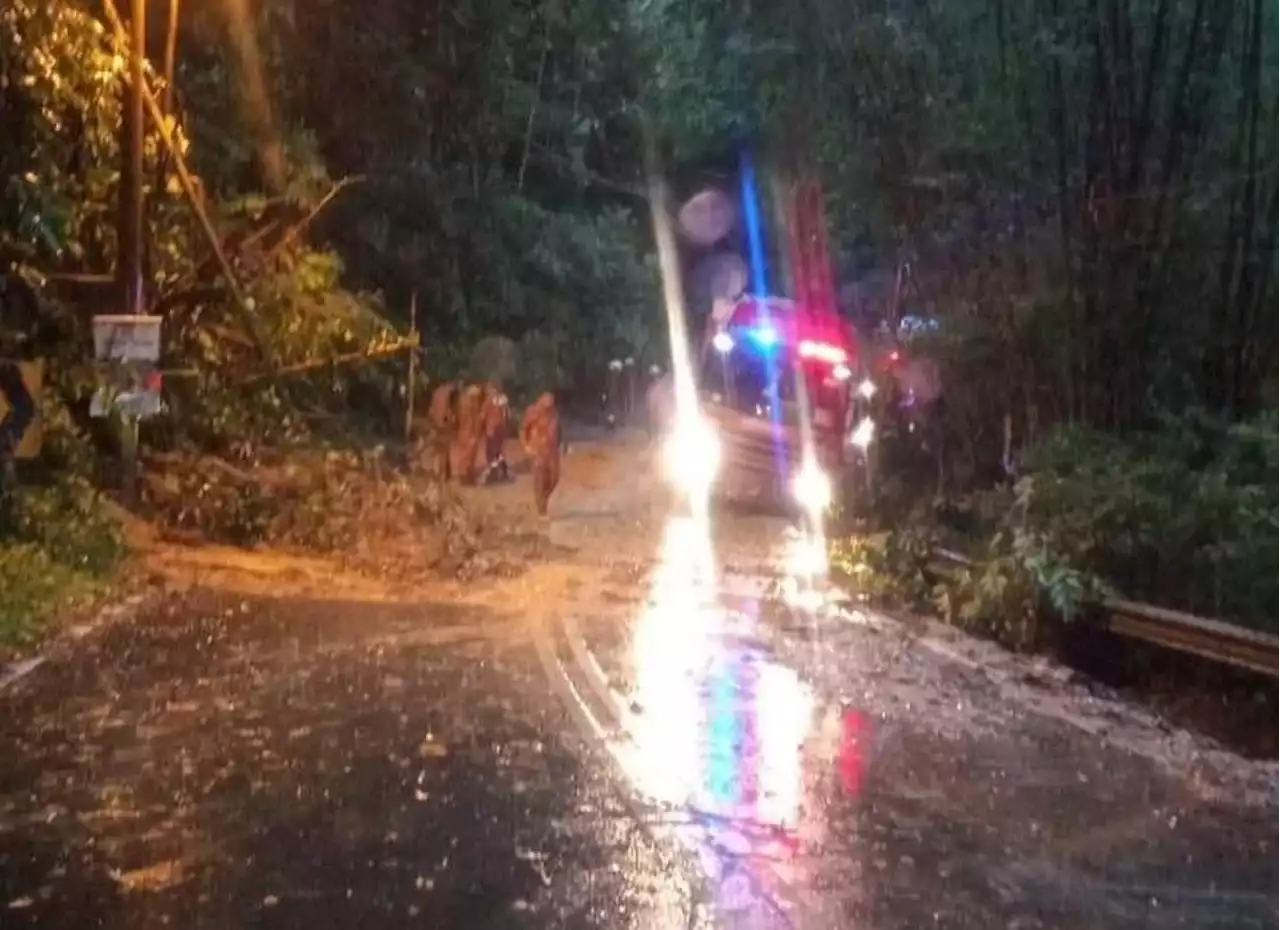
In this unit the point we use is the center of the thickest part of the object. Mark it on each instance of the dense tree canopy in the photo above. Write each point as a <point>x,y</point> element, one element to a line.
<point>1091,181</point>
<point>1081,192</point>
<point>1090,185</point>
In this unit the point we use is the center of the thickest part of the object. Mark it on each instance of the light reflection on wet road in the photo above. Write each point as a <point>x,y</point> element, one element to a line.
<point>725,733</point>
<point>757,736</point>
<point>610,741</point>
<point>719,728</point>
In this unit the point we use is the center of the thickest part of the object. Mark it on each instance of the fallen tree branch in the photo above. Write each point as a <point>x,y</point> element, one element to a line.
<point>274,222</point>
<point>251,239</point>
<point>304,366</point>
<point>314,364</point>
<point>292,232</point>
<point>187,298</point>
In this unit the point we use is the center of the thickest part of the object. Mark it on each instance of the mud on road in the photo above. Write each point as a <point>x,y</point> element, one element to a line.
<point>275,743</point>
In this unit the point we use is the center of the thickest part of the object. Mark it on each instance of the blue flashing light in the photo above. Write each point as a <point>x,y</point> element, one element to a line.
<point>766,337</point>
<point>755,231</point>
<point>724,737</point>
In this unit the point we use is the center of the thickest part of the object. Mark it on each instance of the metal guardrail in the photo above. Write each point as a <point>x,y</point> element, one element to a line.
<point>1213,640</point>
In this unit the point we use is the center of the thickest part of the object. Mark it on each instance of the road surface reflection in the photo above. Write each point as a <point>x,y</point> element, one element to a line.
<point>727,733</point>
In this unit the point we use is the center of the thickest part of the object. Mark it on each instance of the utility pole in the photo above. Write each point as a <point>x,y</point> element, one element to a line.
<point>132,127</point>
<point>130,225</point>
<point>170,56</point>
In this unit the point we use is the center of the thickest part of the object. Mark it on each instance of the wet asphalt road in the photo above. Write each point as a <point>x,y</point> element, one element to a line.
<point>635,733</point>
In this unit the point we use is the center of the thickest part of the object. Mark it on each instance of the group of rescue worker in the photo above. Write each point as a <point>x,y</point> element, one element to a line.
<point>469,423</point>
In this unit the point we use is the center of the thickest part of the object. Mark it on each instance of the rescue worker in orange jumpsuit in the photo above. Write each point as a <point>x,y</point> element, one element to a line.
<point>442,417</point>
<point>493,421</point>
<point>540,436</point>
<point>466,438</point>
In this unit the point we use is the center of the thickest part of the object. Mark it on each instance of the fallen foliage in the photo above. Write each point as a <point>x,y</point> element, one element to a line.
<point>390,518</point>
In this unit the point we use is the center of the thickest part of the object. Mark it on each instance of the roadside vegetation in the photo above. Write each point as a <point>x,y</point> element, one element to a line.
<point>1181,517</point>
<point>286,339</point>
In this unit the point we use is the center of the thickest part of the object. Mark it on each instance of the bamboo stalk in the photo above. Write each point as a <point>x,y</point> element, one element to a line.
<point>411,374</point>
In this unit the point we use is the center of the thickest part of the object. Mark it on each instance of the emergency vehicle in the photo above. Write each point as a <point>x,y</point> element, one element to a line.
<point>776,385</point>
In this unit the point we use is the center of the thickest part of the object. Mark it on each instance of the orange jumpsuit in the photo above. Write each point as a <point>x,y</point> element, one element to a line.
<point>493,420</point>
<point>540,436</point>
<point>443,418</point>
<point>466,439</point>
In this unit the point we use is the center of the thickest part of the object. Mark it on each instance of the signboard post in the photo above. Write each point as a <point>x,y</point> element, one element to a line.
<point>127,348</point>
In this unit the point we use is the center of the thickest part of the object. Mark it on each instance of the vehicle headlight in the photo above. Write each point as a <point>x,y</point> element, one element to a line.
<point>812,487</point>
<point>806,557</point>
<point>691,456</point>
<point>863,433</point>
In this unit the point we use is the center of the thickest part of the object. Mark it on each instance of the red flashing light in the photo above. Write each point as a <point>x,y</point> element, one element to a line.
<point>853,758</point>
<point>822,352</point>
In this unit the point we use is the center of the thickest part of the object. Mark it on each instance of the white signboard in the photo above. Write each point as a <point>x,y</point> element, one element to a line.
<point>135,404</point>
<point>127,338</point>
<point>133,391</point>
